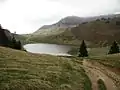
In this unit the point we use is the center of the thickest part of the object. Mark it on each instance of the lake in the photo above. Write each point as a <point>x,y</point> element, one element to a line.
<point>51,49</point>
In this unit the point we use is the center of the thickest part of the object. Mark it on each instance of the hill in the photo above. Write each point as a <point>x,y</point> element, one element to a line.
<point>102,32</point>
<point>26,71</point>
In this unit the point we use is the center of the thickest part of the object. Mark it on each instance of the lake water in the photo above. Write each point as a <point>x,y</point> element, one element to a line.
<point>52,49</point>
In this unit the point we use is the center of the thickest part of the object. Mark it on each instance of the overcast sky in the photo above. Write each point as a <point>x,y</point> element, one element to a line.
<point>26,16</point>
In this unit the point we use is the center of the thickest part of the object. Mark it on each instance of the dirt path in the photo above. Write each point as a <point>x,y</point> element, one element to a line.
<point>95,73</point>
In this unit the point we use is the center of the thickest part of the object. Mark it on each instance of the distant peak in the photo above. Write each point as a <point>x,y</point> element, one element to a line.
<point>71,17</point>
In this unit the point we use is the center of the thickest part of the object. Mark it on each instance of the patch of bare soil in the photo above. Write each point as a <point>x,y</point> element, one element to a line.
<point>95,72</point>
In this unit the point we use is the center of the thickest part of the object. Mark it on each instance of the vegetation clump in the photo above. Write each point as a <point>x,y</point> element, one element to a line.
<point>101,85</point>
<point>114,48</point>
<point>83,50</point>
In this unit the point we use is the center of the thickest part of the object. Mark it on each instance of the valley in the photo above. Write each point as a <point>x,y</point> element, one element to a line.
<point>49,60</point>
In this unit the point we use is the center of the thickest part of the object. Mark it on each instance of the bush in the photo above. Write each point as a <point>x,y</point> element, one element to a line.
<point>101,85</point>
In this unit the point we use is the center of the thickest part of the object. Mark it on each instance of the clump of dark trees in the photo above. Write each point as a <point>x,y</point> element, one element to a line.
<point>15,44</point>
<point>84,53</point>
<point>8,39</point>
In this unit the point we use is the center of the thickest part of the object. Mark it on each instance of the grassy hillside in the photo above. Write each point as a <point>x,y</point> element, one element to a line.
<point>61,38</point>
<point>99,51</point>
<point>65,37</point>
<point>109,60</point>
<point>101,32</point>
<point>25,71</point>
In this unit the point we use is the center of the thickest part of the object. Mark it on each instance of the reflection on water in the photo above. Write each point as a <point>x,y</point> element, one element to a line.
<point>52,49</point>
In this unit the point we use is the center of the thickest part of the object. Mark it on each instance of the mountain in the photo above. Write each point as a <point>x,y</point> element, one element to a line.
<point>68,22</point>
<point>59,27</point>
<point>98,30</point>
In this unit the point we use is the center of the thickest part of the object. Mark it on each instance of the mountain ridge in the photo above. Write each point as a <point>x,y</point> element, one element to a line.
<point>73,21</point>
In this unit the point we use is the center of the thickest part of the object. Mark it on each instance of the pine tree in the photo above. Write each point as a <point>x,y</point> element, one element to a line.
<point>114,48</point>
<point>83,50</point>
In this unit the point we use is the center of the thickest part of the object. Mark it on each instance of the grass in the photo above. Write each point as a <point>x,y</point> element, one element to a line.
<point>112,63</point>
<point>87,84</point>
<point>26,71</point>
<point>92,51</point>
<point>101,85</point>
<point>108,60</point>
<point>100,55</point>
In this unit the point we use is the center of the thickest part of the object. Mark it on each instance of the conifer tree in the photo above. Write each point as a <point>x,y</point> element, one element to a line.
<point>83,50</point>
<point>114,48</point>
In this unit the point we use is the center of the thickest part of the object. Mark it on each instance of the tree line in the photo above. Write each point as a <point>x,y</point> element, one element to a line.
<point>84,53</point>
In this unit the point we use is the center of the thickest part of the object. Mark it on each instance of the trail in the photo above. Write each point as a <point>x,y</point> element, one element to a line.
<point>95,73</point>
